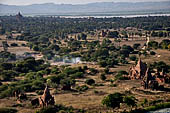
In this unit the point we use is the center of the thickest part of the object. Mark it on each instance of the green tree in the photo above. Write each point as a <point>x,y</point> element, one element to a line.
<point>113,100</point>
<point>113,34</point>
<point>83,36</point>
<point>102,76</point>
<point>136,46</point>
<point>90,81</point>
<point>131,101</point>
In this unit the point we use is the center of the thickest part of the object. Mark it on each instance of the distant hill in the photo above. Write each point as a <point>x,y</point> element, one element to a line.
<point>101,7</point>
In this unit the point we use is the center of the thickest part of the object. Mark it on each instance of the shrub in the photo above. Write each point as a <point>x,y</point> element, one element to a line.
<point>58,108</point>
<point>153,44</point>
<point>38,85</point>
<point>90,81</point>
<point>82,88</point>
<point>120,76</point>
<point>152,53</point>
<point>14,44</point>
<point>113,100</point>
<point>130,101</point>
<point>158,106</point>
<point>85,67</point>
<point>113,85</point>
<point>23,45</point>
<point>133,58</point>
<point>7,110</point>
<point>39,92</point>
<point>6,93</point>
<point>55,79</point>
<point>93,71</point>
<point>67,83</point>
<point>55,70</point>
<point>136,46</point>
<point>106,70</point>
<point>102,76</point>
<point>77,75</point>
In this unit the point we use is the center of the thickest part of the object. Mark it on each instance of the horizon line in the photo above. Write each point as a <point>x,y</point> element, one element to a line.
<point>82,3</point>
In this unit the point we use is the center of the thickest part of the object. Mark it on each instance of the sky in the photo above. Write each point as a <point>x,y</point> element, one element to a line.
<point>28,2</point>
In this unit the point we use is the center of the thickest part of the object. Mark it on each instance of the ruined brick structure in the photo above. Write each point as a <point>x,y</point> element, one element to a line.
<point>46,99</point>
<point>19,16</point>
<point>138,71</point>
<point>149,82</point>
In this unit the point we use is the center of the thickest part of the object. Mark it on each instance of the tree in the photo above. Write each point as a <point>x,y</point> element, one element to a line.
<point>6,66</point>
<point>67,83</point>
<point>102,76</point>
<point>152,53</point>
<point>36,48</point>
<point>113,100</point>
<point>130,101</point>
<point>133,58</point>
<point>113,34</point>
<point>14,44</point>
<point>5,45</point>
<point>164,44</point>
<point>106,70</point>
<point>153,44</point>
<point>118,41</point>
<point>54,47</point>
<point>2,31</point>
<point>136,46</point>
<point>169,46</point>
<point>83,36</point>
<point>90,81</point>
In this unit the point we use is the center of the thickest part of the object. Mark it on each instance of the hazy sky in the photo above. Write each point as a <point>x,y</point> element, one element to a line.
<point>26,2</point>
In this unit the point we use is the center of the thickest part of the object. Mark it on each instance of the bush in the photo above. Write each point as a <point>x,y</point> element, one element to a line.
<point>14,45</point>
<point>93,71</point>
<point>38,85</point>
<point>23,45</point>
<point>85,67</point>
<point>120,76</point>
<point>82,88</point>
<point>113,100</point>
<point>153,44</point>
<point>106,70</point>
<point>102,76</point>
<point>7,110</point>
<point>152,53</point>
<point>39,92</point>
<point>158,106</point>
<point>58,108</point>
<point>113,85</point>
<point>90,81</point>
<point>6,93</point>
<point>133,58</point>
<point>130,101</point>
<point>77,75</point>
<point>136,46</point>
<point>55,79</point>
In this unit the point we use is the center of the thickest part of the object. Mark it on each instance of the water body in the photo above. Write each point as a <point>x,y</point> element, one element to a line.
<point>123,16</point>
<point>166,110</point>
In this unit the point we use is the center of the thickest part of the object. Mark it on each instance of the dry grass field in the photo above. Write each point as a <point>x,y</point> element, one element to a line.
<point>17,50</point>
